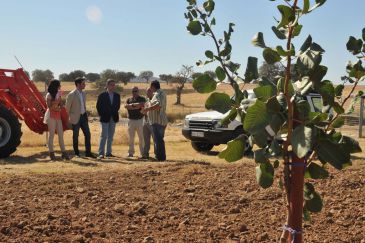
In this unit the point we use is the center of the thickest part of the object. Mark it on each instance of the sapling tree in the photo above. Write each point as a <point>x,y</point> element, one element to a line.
<point>311,141</point>
<point>180,79</point>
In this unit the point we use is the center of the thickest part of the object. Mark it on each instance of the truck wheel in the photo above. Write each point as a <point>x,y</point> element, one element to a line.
<point>10,132</point>
<point>201,146</point>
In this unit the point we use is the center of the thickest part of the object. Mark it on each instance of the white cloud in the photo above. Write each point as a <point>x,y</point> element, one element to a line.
<point>94,14</point>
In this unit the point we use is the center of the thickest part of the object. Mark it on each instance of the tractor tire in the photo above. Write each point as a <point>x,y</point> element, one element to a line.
<point>202,147</point>
<point>10,132</point>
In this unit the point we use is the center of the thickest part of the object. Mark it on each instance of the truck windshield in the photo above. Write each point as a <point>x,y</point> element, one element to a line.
<point>317,103</point>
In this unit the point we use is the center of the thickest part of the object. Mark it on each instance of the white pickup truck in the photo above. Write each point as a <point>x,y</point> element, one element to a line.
<point>205,130</point>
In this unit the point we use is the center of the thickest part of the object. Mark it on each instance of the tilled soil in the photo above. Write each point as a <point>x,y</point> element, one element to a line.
<point>171,202</point>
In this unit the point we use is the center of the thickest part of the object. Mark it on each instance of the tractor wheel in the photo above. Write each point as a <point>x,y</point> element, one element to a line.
<point>10,132</point>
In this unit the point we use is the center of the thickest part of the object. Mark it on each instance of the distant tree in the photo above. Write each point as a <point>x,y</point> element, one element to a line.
<point>64,77</point>
<point>92,77</point>
<point>271,71</point>
<point>168,78</point>
<point>181,78</point>
<point>75,74</point>
<point>146,75</point>
<point>124,77</point>
<point>42,75</point>
<point>104,76</point>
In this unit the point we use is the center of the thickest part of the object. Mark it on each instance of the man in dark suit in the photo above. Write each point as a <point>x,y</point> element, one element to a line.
<point>108,105</point>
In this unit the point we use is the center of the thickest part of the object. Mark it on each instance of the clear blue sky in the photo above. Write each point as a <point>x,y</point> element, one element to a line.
<point>151,34</point>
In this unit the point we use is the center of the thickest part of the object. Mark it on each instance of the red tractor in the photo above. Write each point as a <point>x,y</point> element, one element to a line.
<point>19,99</point>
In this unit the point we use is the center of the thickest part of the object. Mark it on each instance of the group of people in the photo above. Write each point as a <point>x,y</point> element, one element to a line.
<point>146,117</point>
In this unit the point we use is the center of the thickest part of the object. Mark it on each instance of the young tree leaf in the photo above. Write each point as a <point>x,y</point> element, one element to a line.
<point>271,56</point>
<point>302,140</point>
<point>194,27</point>
<point>258,40</point>
<point>339,122</point>
<point>280,34</point>
<point>350,145</point>
<point>220,102</point>
<point>263,93</point>
<point>265,174</point>
<point>315,171</point>
<point>204,84</point>
<point>354,45</point>
<point>315,204</point>
<point>261,156</point>
<point>257,118</point>
<point>221,75</point>
<point>209,54</point>
<point>234,150</point>
<point>332,153</point>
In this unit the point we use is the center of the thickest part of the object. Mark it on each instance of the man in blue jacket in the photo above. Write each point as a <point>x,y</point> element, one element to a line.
<point>108,105</point>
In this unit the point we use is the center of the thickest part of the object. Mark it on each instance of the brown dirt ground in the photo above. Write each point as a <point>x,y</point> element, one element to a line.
<point>176,201</point>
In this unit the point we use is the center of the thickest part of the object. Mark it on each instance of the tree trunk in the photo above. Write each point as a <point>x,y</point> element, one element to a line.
<point>178,95</point>
<point>296,200</point>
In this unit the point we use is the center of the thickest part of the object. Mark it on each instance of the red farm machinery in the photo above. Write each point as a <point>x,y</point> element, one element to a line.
<point>19,99</point>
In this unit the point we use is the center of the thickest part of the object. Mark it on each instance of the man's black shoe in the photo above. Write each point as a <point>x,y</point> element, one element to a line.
<point>90,155</point>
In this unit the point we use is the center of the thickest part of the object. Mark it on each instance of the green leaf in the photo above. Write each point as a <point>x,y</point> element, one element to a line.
<point>306,5</point>
<point>355,70</point>
<point>251,69</point>
<point>221,75</point>
<point>280,86</point>
<point>234,150</point>
<point>284,53</point>
<point>194,27</point>
<point>309,60</point>
<point>230,117</point>
<point>271,56</point>
<point>307,43</point>
<point>260,139</point>
<point>354,45</point>
<point>276,164</point>
<point>338,108</point>
<point>317,74</point>
<point>275,148</point>
<point>317,118</point>
<point>315,171</point>
<point>209,54</point>
<point>209,6</point>
<point>273,105</point>
<point>287,15</point>
<point>363,34</point>
<point>302,140</point>
<point>220,102</point>
<point>232,66</point>
<point>339,89</point>
<point>327,92</point>
<point>306,214</point>
<point>350,145</point>
<point>263,93</point>
<point>257,118</point>
<point>258,40</point>
<point>302,109</point>
<point>339,122</point>
<point>297,30</point>
<point>261,156</point>
<point>265,175</point>
<point>280,34</point>
<point>204,84</point>
<point>315,204</point>
<point>332,153</point>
